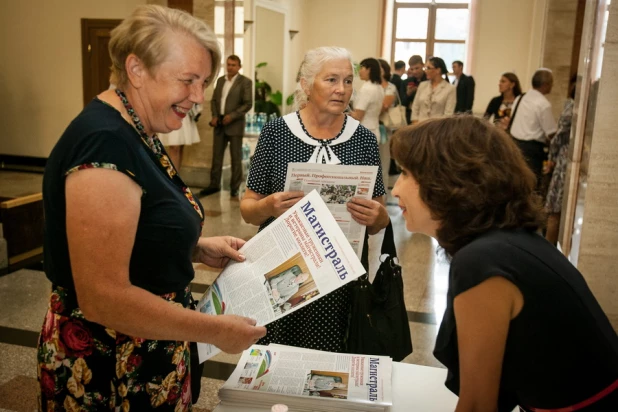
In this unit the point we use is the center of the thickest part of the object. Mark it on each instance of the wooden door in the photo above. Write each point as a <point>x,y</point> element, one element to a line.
<point>96,62</point>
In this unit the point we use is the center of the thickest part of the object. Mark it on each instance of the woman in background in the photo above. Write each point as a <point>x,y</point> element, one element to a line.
<point>391,98</point>
<point>500,106</point>
<point>557,164</point>
<point>521,326</point>
<point>368,101</point>
<point>436,96</point>
<point>390,90</point>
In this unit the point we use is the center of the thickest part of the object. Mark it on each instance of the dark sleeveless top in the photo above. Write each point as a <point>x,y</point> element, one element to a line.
<point>561,349</point>
<point>168,227</point>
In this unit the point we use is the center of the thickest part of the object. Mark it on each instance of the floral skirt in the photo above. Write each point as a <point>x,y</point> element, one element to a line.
<point>83,366</point>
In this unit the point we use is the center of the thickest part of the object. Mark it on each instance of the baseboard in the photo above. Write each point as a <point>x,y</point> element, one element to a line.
<point>22,163</point>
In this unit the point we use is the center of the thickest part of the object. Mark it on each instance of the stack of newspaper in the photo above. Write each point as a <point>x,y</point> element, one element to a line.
<point>309,380</point>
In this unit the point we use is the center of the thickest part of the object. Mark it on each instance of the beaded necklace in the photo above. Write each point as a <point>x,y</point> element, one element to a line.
<point>155,145</point>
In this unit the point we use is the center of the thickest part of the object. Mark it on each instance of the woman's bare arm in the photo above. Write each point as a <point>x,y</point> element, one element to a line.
<point>483,314</point>
<point>256,208</point>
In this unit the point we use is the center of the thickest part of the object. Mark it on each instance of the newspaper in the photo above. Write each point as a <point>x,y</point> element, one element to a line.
<point>336,184</point>
<point>298,258</point>
<point>334,381</point>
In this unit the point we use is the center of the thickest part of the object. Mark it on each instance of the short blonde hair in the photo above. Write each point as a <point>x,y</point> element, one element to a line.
<point>312,65</point>
<point>145,33</point>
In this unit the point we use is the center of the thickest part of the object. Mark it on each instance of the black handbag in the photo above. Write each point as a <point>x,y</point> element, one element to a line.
<point>378,317</point>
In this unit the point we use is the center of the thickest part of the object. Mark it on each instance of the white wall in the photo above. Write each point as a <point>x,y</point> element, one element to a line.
<point>269,47</point>
<point>341,23</point>
<point>507,37</point>
<point>355,25</point>
<point>41,68</point>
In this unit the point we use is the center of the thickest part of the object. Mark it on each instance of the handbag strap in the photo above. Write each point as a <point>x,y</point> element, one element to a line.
<point>508,128</point>
<point>388,243</point>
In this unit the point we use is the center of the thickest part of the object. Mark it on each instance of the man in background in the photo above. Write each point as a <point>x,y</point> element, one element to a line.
<point>400,69</point>
<point>410,85</point>
<point>465,89</point>
<point>231,100</point>
<point>532,123</point>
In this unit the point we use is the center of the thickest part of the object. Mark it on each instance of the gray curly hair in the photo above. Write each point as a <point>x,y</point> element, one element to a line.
<point>312,64</point>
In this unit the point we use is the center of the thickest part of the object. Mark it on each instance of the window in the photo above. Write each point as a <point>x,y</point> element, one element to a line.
<point>238,10</point>
<point>430,28</point>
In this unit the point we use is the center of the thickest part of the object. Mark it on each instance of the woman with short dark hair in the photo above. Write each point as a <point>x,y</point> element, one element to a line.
<point>521,326</point>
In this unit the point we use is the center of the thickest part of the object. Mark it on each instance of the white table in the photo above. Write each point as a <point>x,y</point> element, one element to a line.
<point>415,388</point>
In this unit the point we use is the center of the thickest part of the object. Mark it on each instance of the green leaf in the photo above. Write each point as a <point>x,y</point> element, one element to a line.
<point>290,100</point>
<point>276,97</point>
<point>261,65</point>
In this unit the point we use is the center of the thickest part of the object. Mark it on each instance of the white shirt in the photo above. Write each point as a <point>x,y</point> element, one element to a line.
<point>534,119</point>
<point>391,90</point>
<point>369,99</point>
<point>226,89</point>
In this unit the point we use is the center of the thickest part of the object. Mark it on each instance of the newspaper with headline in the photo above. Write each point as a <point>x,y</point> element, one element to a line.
<point>303,377</point>
<point>300,257</point>
<point>337,185</point>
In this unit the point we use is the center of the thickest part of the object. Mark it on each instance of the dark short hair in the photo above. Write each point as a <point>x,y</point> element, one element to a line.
<point>416,59</point>
<point>472,177</point>
<point>458,62</point>
<point>541,77</point>
<point>512,77</point>
<point>386,68</point>
<point>373,65</point>
<point>235,58</point>
<point>399,64</point>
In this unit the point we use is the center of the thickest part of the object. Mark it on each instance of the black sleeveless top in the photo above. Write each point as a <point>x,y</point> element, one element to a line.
<point>561,349</point>
<point>169,226</point>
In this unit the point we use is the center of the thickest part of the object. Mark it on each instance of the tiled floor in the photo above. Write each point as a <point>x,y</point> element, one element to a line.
<point>24,294</point>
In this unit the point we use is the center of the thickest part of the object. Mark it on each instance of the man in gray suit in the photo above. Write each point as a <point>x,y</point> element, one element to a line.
<point>232,99</point>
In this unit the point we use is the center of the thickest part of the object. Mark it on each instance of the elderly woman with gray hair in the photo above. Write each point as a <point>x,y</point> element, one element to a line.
<point>319,132</point>
<point>121,231</point>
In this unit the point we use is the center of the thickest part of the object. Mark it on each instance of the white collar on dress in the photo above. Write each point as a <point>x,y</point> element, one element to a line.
<point>322,153</point>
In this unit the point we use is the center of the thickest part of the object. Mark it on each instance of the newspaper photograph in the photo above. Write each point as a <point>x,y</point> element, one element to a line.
<point>337,185</point>
<point>298,258</point>
<point>297,372</point>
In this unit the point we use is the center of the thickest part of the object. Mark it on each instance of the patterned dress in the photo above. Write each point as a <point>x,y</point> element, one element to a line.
<point>82,365</point>
<point>558,153</point>
<point>321,325</point>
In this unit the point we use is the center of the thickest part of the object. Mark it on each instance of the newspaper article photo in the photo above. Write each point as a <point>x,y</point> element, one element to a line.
<point>337,185</point>
<point>327,384</point>
<point>290,284</point>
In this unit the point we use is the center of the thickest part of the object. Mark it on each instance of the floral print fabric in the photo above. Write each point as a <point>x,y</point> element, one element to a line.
<point>83,366</point>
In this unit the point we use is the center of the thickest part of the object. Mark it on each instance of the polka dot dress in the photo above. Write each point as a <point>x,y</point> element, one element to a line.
<point>323,324</point>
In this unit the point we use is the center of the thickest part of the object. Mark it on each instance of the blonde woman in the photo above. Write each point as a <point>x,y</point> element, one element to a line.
<point>121,231</point>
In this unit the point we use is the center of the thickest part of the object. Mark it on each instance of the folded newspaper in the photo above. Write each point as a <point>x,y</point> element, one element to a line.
<point>298,258</point>
<point>309,380</point>
<point>337,185</point>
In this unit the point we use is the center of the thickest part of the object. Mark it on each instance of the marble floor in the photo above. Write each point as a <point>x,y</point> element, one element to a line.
<point>24,296</point>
